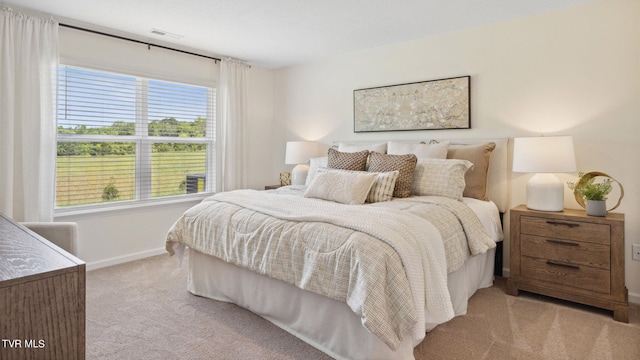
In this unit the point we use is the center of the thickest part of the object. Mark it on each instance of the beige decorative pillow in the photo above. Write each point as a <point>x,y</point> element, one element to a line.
<point>440,177</point>
<point>382,189</point>
<point>343,186</point>
<point>405,164</point>
<point>314,165</point>
<point>356,161</point>
<point>421,150</point>
<point>475,178</point>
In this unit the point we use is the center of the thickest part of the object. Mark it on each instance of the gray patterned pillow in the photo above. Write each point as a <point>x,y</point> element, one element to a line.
<point>356,161</point>
<point>440,177</point>
<point>405,164</point>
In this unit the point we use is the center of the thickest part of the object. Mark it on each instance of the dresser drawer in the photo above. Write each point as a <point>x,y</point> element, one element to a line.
<point>566,251</point>
<point>577,276</point>
<point>563,229</point>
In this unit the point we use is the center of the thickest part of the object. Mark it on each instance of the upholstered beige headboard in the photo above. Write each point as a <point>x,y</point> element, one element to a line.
<point>497,175</point>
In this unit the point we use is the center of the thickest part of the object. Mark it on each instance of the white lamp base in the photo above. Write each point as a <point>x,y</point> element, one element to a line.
<point>299,174</point>
<point>545,192</point>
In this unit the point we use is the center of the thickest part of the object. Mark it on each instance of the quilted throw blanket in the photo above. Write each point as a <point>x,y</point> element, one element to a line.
<point>384,260</point>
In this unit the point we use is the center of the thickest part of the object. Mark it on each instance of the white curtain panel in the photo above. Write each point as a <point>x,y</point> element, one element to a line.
<point>233,119</point>
<point>28,60</point>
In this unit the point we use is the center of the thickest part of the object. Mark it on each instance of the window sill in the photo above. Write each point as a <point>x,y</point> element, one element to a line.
<point>128,206</point>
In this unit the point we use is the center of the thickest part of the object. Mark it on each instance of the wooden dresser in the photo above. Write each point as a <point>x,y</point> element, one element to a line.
<point>42,297</point>
<point>570,256</point>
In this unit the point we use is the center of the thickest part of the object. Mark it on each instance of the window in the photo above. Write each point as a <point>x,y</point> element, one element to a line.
<point>124,138</point>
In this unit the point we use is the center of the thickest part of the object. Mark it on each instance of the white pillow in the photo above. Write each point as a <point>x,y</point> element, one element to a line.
<point>421,150</point>
<point>381,148</point>
<point>343,186</point>
<point>314,165</point>
<point>440,177</point>
<point>382,189</point>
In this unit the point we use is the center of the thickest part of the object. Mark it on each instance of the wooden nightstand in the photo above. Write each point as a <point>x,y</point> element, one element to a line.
<point>570,256</point>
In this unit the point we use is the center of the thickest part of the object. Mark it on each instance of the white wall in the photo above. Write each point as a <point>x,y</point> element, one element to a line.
<point>86,49</point>
<point>261,129</point>
<point>111,237</point>
<point>573,72</point>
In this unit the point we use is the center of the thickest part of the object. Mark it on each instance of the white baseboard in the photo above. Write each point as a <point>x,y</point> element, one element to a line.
<point>123,259</point>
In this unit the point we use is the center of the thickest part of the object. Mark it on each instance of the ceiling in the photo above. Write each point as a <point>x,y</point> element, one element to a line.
<point>280,33</point>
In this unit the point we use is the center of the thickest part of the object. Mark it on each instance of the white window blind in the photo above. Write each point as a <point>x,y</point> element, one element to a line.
<point>124,138</point>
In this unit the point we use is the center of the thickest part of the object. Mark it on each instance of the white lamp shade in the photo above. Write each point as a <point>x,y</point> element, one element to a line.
<point>544,156</point>
<point>299,152</point>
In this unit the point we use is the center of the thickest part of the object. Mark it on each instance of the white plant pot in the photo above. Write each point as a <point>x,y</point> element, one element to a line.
<point>596,207</point>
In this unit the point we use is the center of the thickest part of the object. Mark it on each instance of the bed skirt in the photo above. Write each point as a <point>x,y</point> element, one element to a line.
<point>324,323</point>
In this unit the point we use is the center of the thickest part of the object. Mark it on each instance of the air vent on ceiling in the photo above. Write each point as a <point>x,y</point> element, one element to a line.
<point>165,33</point>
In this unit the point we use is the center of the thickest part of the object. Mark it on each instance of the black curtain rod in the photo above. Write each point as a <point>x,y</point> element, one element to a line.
<point>149,45</point>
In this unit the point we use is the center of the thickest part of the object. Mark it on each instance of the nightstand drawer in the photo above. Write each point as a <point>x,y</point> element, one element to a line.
<point>566,251</point>
<point>563,229</point>
<point>577,276</point>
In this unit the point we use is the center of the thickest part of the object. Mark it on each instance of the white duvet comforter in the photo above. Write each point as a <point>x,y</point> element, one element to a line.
<point>385,260</point>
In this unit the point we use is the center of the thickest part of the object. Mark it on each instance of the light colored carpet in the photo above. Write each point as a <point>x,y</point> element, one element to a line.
<point>142,310</point>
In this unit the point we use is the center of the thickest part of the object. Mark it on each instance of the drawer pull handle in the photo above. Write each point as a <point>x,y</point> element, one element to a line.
<point>558,223</point>
<point>553,263</point>
<point>563,243</point>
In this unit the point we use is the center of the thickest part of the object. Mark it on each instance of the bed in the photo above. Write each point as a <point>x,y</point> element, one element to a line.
<point>356,282</point>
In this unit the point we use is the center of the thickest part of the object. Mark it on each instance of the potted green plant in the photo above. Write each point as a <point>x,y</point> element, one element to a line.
<point>595,193</point>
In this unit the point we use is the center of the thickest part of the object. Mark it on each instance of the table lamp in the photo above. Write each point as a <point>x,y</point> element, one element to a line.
<point>299,153</point>
<point>544,155</point>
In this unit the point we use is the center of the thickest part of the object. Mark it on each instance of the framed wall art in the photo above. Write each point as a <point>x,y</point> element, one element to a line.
<point>427,105</point>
